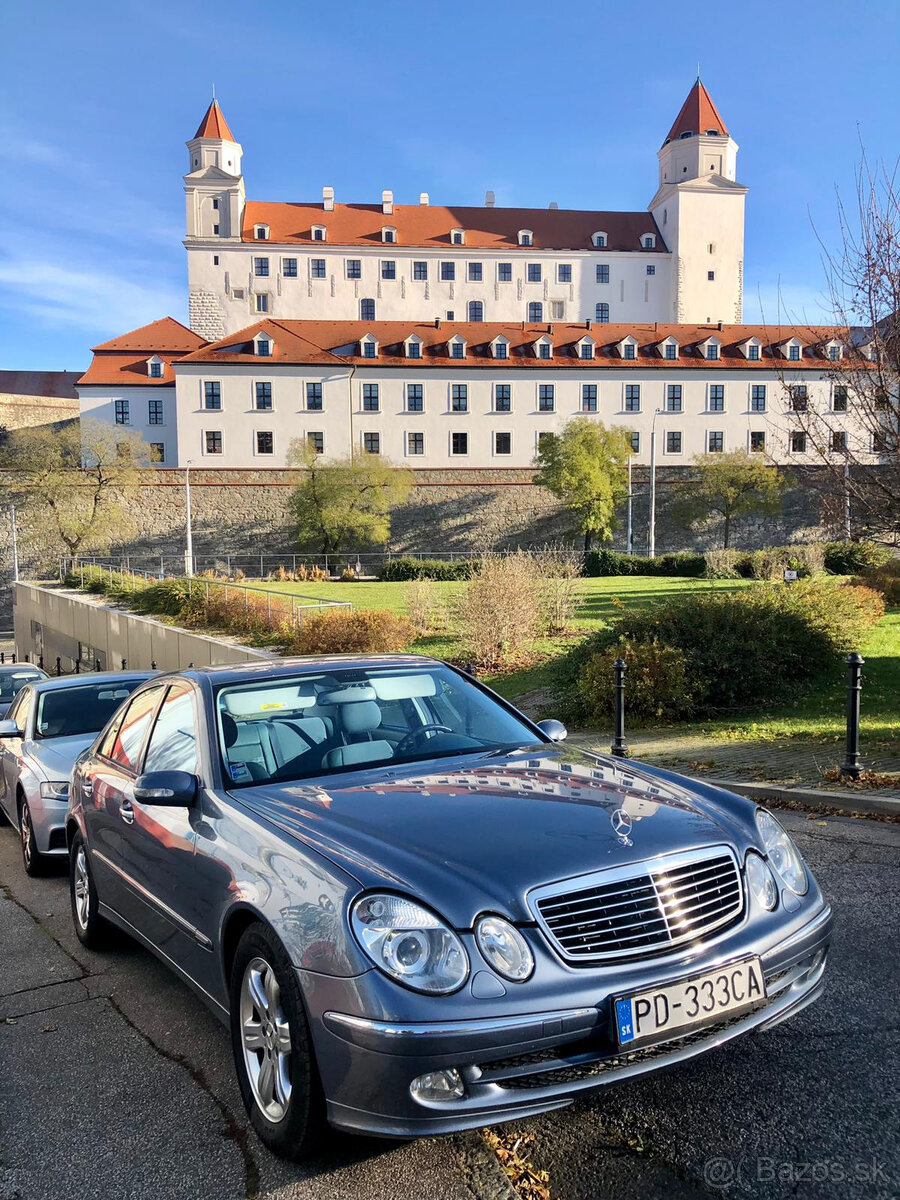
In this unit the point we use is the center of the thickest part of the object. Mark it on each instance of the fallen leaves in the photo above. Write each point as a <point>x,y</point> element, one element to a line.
<point>528,1181</point>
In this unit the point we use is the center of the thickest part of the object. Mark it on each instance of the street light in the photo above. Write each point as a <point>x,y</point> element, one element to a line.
<point>651,540</point>
<point>15,545</point>
<point>189,542</point>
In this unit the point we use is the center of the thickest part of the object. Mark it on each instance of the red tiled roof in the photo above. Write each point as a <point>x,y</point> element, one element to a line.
<point>55,384</point>
<point>158,336</point>
<point>698,115</point>
<point>214,125</point>
<point>430,225</point>
<point>329,341</point>
<point>123,360</point>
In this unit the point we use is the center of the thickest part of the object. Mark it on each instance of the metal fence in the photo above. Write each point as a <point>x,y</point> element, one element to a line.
<point>256,566</point>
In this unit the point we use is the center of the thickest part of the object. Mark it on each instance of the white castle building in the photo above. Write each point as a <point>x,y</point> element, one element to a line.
<point>679,261</point>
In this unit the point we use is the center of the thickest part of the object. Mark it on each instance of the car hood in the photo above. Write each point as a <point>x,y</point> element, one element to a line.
<point>56,756</point>
<point>475,833</point>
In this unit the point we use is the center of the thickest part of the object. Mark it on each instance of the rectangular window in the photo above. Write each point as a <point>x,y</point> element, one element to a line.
<point>457,350</point>
<point>502,397</point>
<point>367,310</point>
<point>564,273</point>
<point>265,441</point>
<point>601,312</point>
<point>262,303</point>
<point>370,397</point>
<point>316,442</point>
<point>354,268</point>
<point>545,397</point>
<point>215,202</point>
<point>603,272</point>
<point>369,349</point>
<point>264,397</point>
<point>289,268</point>
<point>155,413</point>
<point>635,443</point>
<point>545,350</point>
<point>839,441</point>
<point>459,397</point>
<point>212,395</point>
<point>501,350</point>
<point>793,353</point>
<point>753,353</point>
<point>213,441</point>
<point>534,272</point>
<point>839,398</point>
<point>629,350</point>
<point>261,266</point>
<point>415,399</point>
<point>215,260</point>
<point>372,443</point>
<point>879,443</point>
<point>420,270</point>
<point>651,270</point>
<point>712,352</point>
<point>757,443</point>
<point>448,271</point>
<point>632,397</point>
<point>475,272</point>
<point>459,443</point>
<point>671,353</point>
<point>673,397</point>
<point>758,397</point>
<point>123,415</point>
<point>798,443</point>
<point>504,272</point>
<point>717,397</point>
<point>157,452</point>
<point>215,229</point>
<point>673,442</point>
<point>799,398</point>
<point>317,268</point>
<point>415,443</point>
<point>389,235</point>
<point>413,349</point>
<point>715,442</point>
<point>558,310</point>
<point>314,397</point>
<point>586,350</point>
<point>156,370</point>
<point>589,397</point>
<point>502,443</point>
<point>388,269</point>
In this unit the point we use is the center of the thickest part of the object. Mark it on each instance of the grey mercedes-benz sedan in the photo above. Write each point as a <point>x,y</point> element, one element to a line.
<point>418,911</point>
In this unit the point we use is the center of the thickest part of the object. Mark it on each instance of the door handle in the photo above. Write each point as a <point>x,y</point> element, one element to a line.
<point>126,812</point>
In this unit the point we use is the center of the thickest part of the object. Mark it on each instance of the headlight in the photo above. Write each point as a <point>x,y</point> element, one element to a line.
<point>783,854</point>
<point>410,943</point>
<point>504,948</point>
<point>55,789</point>
<point>761,882</point>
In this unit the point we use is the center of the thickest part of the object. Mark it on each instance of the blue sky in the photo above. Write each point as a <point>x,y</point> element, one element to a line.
<point>536,102</point>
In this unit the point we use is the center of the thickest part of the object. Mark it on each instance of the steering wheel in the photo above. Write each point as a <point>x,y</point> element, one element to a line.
<point>407,742</point>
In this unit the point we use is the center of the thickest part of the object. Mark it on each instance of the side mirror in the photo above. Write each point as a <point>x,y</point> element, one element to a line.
<point>10,729</point>
<point>555,730</point>
<point>174,789</point>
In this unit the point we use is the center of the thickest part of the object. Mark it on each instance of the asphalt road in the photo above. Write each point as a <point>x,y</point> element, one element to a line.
<point>115,1082</point>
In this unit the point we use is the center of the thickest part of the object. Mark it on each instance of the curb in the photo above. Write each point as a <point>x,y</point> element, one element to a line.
<point>858,802</point>
<point>481,1169</point>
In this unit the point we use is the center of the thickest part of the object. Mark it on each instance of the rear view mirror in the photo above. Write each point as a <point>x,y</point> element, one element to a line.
<point>174,789</point>
<point>10,729</point>
<point>555,730</point>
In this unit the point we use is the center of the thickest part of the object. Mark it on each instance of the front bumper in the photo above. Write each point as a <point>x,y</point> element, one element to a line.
<point>48,820</point>
<point>518,1066</point>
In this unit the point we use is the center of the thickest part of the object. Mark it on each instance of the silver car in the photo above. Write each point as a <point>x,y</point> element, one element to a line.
<point>47,726</point>
<point>13,677</point>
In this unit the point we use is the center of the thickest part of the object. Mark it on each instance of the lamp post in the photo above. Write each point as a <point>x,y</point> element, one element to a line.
<point>629,541</point>
<point>189,540</point>
<point>651,540</point>
<point>15,545</point>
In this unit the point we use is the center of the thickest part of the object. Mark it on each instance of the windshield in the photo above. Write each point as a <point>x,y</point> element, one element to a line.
<point>341,720</point>
<point>11,681</point>
<point>71,711</point>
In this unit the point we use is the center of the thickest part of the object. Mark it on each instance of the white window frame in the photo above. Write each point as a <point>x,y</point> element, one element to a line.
<point>450,451</point>
<point>600,240</point>
<point>262,336</point>
<point>318,229</point>
<point>261,232</point>
<point>209,453</point>
<point>500,340</point>
<point>651,237</point>
<point>257,453</point>
<point>389,235</point>
<point>666,450</point>
<point>368,339</point>
<point>543,341</point>
<point>495,453</point>
<point>669,341</point>
<point>457,237</point>
<point>709,386</point>
<point>407,453</point>
<point>153,361</point>
<point>525,237</point>
<point>591,344</point>
<point>709,433</point>
<point>457,340</point>
<point>413,340</point>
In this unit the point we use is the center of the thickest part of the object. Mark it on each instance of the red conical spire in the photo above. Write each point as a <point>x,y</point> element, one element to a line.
<point>698,114</point>
<point>214,124</point>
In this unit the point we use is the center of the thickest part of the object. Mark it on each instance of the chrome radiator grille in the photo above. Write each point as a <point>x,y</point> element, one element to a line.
<point>629,912</point>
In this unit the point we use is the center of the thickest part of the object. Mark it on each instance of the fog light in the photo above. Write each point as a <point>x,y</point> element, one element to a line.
<point>438,1085</point>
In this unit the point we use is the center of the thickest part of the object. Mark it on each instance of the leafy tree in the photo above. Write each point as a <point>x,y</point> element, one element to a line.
<point>728,486</point>
<point>584,467</point>
<point>346,502</point>
<point>76,485</point>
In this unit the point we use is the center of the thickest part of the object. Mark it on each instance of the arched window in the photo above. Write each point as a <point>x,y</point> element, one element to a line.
<point>535,311</point>
<point>367,310</point>
<point>525,236</point>
<point>599,239</point>
<point>476,310</point>
<point>261,233</point>
<point>601,313</point>
<point>319,233</point>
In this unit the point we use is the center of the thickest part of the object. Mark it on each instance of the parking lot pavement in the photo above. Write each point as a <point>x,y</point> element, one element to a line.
<point>117,1083</point>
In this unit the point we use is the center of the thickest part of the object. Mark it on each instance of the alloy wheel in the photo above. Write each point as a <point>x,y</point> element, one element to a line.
<point>27,833</point>
<point>266,1040</point>
<point>82,885</point>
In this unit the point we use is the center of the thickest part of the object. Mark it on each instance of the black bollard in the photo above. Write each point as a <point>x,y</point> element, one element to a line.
<point>58,665</point>
<point>41,661</point>
<point>619,747</point>
<point>153,664</point>
<point>124,665</point>
<point>96,664</point>
<point>852,767</point>
<point>77,666</point>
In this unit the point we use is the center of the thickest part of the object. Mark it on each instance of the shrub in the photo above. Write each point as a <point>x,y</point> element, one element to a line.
<point>721,564</point>
<point>772,561</point>
<point>855,558</point>
<point>657,682</point>
<point>558,572</point>
<point>612,562</point>
<point>885,580</point>
<point>425,607</point>
<point>499,612</point>
<point>353,631</point>
<point>348,575</point>
<point>403,569</point>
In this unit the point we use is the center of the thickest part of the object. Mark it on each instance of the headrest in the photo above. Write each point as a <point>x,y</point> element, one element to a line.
<point>254,702</point>
<point>229,730</point>
<point>348,695</point>
<point>361,718</point>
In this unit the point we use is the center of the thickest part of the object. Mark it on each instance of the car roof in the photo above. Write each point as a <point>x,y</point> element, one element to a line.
<point>307,665</point>
<point>61,682</point>
<point>15,668</point>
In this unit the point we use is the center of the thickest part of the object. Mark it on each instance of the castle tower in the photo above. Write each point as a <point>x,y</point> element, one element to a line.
<point>699,206</point>
<point>214,184</point>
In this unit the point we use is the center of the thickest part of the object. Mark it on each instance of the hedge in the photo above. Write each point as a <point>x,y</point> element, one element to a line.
<point>612,562</point>
<point>397,570</point>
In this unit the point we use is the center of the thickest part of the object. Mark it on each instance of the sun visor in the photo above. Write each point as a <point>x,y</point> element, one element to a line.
<point>403,687</point>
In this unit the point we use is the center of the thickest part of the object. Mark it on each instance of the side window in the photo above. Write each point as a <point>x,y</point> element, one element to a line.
<point>173,742</point>
<point>21,709</point>
<point>108,743</point>
<point>126,748</point>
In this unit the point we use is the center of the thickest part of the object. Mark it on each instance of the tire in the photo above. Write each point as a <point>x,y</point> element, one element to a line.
<point>35,863</point>
<point>278,1078</point>
<point>92,930</point>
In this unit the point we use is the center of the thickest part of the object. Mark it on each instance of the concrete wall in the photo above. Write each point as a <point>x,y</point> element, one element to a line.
<point>60,623</point>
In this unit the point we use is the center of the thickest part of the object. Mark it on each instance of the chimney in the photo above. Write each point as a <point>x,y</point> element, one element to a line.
<point>523,326</point>
<point>488,199</point>
<point>437,322</point>
<point>387,202</point>
<point>328,199</point>
<point>549,328</point>
<point>587,323</point>
<point>553,205</point>
<point>720,326</point>
<point>423,198</point>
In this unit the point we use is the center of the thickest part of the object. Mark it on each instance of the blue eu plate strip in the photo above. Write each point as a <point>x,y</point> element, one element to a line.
<point>624,1020</point>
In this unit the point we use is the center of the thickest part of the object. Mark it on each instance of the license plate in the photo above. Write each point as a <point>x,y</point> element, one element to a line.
<point>662,1013</point>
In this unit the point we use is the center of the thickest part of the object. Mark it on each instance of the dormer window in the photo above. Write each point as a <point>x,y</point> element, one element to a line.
<point>457,237</point>
<point>262,345</point>
<point>687,133</point>
<point>319,233</point>
<point>752,349</point>
<point>261,233</point>
<point>792,350</point>
<point>599,240</point>
<point>368,346</point>
<point>834,351</point>
<point>543,348</point>
<point>457,347</point>
<point>500,347</point>
<point>669,349</point>
<point>586,348</point>
<point>710,349</point>
<point>628,348</point>
<point>413,347</point>
<point>648,241</point>
<point>155,367</point>
<point>389,234</point>
<point>526,237</point>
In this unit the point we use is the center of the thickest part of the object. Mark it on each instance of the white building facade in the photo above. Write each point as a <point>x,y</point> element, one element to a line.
<point>682,260</point>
